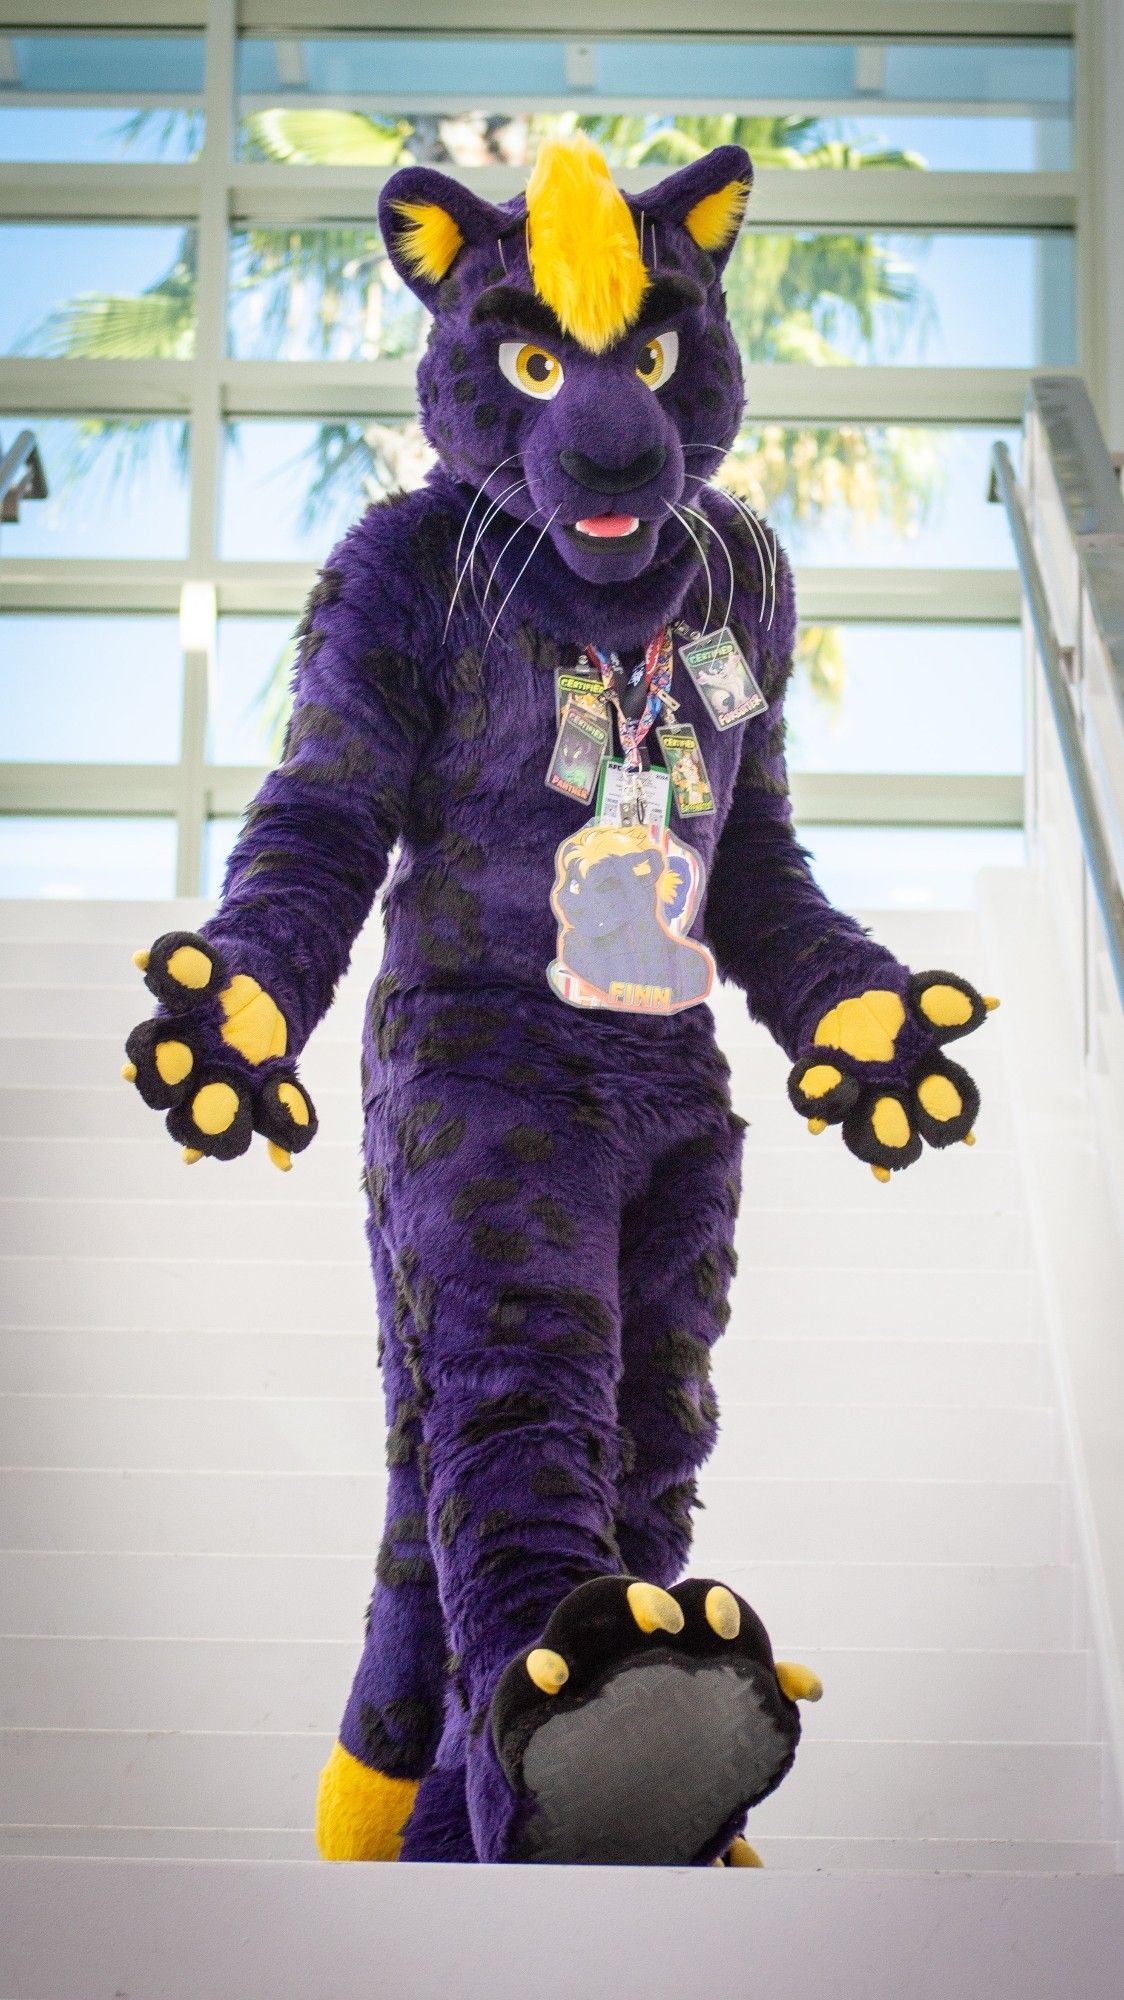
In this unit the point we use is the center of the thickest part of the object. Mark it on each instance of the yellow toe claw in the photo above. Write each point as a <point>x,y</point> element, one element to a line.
<point>281,1159</point>
<point>654,1610</point>
<point>797,1682</point>
<point>140,960</point>
<point>817,1125</point>
<point>722,1612</point>
<point>548,1670</point>
<point>129,1072</point>
<point>969,1138</point>
<point>990,1002</point>
<point>742,1855</point>
<point>881,1173</point>
<point>190,1155</point>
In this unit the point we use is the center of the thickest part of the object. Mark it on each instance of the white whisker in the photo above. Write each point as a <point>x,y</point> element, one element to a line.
<point>466,567</point>
<point>503,606</point>
<point>721,540</point>
<point>479,494</point>
<point>706,566</point>
<point>525,523</point>
<point>765,544</point>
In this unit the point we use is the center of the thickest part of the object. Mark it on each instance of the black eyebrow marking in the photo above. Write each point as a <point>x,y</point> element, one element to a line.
<point>514,307</point>
<point>667,296</point>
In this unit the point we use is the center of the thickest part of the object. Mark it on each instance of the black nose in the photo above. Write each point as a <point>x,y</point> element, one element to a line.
<point>613,478</point>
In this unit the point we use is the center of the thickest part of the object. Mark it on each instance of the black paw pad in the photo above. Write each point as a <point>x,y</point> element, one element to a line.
<point>946,1102</point>
<point>284,1114</point>
<point>947,1005</point>
<point>643,1724</point>
<point>181,968</point>
<point>214,1118</point>
<point>163,1060</point>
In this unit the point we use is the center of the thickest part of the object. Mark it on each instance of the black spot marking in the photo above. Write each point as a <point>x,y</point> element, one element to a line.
<point>463,390</point>
<point>505,1413</point>
<point>415,1565</point>
<point>508,1315</point>
<point>385,1033</point>
<point>374,1180</point>
<point>678,1503</point>
<point>402,1437</point>
<point>442,1140</point>
<point>481,1193</point>
<point>451,1519</point>
<point>485,415</point>
<point>458,357</point>
<point>553,1482</point>
<point>558,1226</point>
<point>495,1522</point>
<point>501,1246</point>
<point>399,1740</point>
<point>529,1144</point>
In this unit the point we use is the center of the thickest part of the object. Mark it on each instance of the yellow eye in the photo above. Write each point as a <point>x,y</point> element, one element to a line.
<point>531,369</point>
<point>655,363</point>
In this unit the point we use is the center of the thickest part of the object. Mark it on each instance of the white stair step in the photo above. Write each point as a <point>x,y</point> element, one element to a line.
<point>807,1853</point>
<point>148,1165</point>
<point>987,1374</point>
<point>744,1520</point>
<point>886,1237</point>
<point>70,920</point>
<point>326,1434</point>
<point>946,1791</point>
<point>304,1598</point>
<point>977,1791</point>
<point>289,1926</point>
<point>182,1293</point>
<point>73,1682</point>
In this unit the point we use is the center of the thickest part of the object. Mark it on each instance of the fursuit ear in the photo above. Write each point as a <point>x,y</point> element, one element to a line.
<point>426,220</point>
<point>707,198</point>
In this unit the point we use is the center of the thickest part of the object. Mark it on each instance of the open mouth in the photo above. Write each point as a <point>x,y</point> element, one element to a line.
<point>607,527</point>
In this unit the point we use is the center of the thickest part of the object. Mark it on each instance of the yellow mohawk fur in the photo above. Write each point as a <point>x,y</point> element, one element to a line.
<point>585,259</point>
<point>430,240</point>
<point>717,217</point>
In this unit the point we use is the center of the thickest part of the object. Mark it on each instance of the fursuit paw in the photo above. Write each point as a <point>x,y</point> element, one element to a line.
<point>361,1814</point>
<point>876,1068</point>
<point>213,1058</point>
<point>644,1725</point>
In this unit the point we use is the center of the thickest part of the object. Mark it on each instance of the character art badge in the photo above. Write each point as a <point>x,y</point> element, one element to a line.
<point>625,897</point>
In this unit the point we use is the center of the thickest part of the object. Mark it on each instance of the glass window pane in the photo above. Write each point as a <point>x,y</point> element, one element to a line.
<point>97,291</point>
<point>87,690</point>
<point>250,696</point>
<point>290,489</point>
<point>360,99</point>
<point>908,867</point>
<point>949,301</point>
<point>882,495</point>
<point>907,698</point>
<point>117,486</point>
<point>87,857</point>
<point>329,294</point>
<point>101,97</point>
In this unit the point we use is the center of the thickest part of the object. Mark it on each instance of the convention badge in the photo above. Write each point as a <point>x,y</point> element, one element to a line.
<point>579,748</point>
<point>614,794</point>
<point>583,689</point>
<point>625,898</point>
<point>690,780</point>
<point>721,674</point>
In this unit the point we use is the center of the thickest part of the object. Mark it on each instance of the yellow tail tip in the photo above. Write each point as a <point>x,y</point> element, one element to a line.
<point>140,960</point>
<point>129,1072</point>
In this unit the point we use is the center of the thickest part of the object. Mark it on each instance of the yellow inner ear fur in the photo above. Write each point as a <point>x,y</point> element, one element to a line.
<point>585,257</point>
<point>715,220</point>
<point>430,240</point>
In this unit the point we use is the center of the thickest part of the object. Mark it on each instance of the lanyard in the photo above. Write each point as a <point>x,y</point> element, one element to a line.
<point>658,660</point>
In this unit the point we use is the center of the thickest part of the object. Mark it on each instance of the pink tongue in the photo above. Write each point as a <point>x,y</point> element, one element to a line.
<point>608,524</point>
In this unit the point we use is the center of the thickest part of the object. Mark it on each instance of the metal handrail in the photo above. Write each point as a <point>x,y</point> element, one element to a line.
<point>1098,853</point>
<point>21,476</point>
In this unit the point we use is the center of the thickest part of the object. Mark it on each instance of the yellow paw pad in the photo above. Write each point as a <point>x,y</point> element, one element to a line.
<point>254,1024</point>
<point>890,1124</point>
<point>214,1108</point>
<point>945,1006</point>
<point>190,967</point>
<point>866,1027</point>
<point>173,1061</point>
<point>360,1814</point>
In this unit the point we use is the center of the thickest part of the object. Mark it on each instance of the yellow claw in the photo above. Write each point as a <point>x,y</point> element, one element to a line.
<point>742,1855</point>
<point>548,1670</point>
<point>129,1072</point>
<point>990,1002</point>
<point>654,1610</point>
<point>281,1159</point>
<point>722,1612</point>
<point>881,1173</point>
<point>969,1138</point>
<point>140,960</point>
<point>817,1125</point>
<point>797,1682</point>
<point>190,1155</point>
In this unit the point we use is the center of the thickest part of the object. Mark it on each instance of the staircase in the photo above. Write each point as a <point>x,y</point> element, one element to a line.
<point>191,1497</point>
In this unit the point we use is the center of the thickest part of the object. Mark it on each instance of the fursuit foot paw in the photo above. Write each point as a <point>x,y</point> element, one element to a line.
<point>360,1814</point>
<point>644,1725</point>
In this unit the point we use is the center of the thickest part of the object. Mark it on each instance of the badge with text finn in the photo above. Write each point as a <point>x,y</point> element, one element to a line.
<point>624,897</point>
